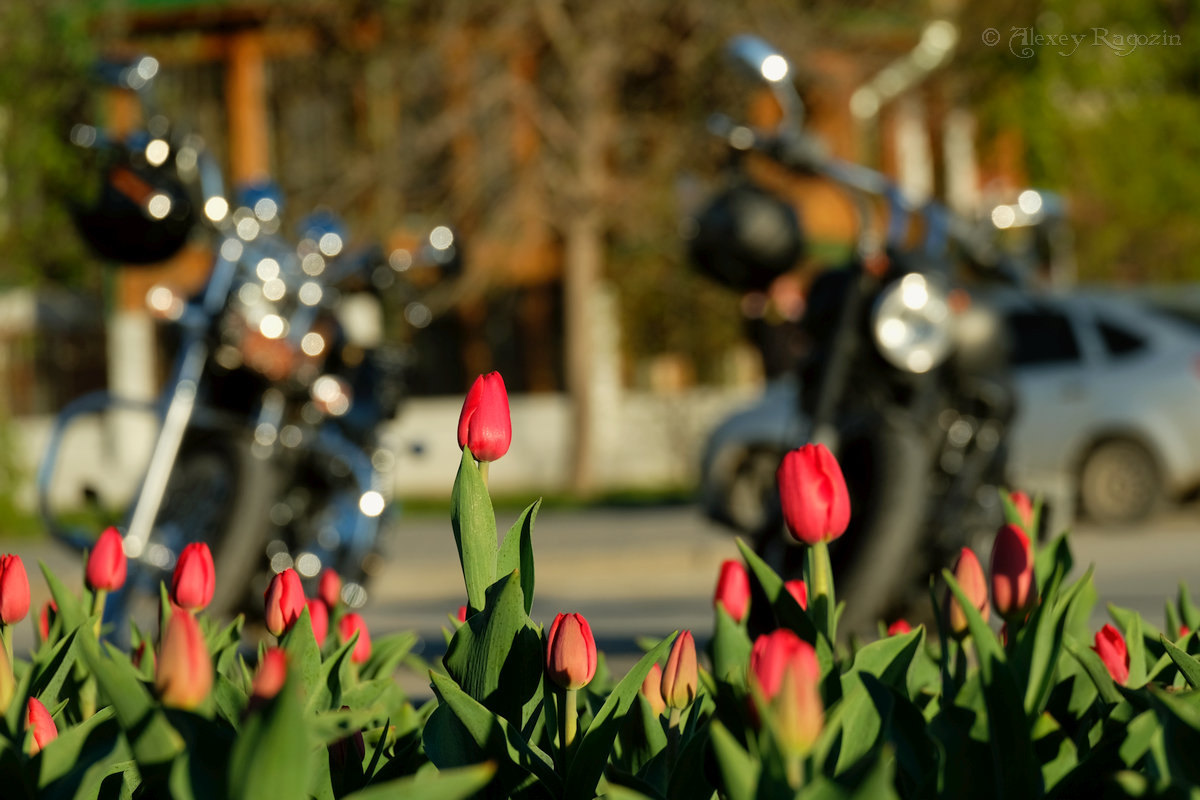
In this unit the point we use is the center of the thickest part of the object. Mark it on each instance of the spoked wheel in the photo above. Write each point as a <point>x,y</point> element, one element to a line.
<point>1119,483</point>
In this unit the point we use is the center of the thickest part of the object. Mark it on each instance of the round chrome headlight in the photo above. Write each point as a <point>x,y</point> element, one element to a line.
<point>911,324</point>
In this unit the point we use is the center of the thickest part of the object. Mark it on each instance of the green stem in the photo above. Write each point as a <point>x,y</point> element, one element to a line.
<point>568,722</point>
<point>673,738</point>
<point>98,610</point>
<point>483,472</point>
<point>821,588</point>
<point>795,770</point>
<point>6,637</point>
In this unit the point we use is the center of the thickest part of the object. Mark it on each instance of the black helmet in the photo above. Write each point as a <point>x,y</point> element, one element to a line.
<point>746,237</point>
<point>142,212</point>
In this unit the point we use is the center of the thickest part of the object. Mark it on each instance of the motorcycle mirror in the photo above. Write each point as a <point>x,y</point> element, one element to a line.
<point>767,64</point>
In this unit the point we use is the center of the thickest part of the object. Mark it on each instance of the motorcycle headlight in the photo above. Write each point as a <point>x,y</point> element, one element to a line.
<point>911,324</point>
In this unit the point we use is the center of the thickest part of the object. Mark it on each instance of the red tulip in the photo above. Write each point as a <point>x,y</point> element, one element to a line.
<point>271,675</point>
<point>284,600</point>
<point>194,579</point>
<point>1013,589</point>
<point>329,588</point>
<point>733,589</point>
<point>318,615</point>
<point>362,648</point>
<point>184,673</point>
<point>14,590</point>
<point>462,614</point>
<point>969,574</point>
<point>798,590</point>
<point>485,425</point>
<point>812,491</point>
<point>898,627</point>
<point>46,618</point>
<point>681,677</point>
<point>785,674</point>
<point>1110,646</point>
<point>1024,506</point>
<point>570,651</point>
<point>38,720</point>
<point>652,690</point>
<point>1184,630</point>
<point>106,563</point>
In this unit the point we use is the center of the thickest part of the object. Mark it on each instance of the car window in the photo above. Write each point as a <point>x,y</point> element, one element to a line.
<point>1042,337</point>
<point>1119,340</point>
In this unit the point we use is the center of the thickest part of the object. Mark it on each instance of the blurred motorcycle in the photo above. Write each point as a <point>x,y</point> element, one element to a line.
<point>905,375</point>
<point>267,429</point>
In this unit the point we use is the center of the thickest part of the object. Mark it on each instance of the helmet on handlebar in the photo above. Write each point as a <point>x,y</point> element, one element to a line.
<point>142,213</point>
<point>746,237</point>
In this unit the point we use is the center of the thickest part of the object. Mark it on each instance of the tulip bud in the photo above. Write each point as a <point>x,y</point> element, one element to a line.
<point>362,648</point>
<point>798,590</point>
<point>1024,507</point>
<point>812,491</point>
<point>1013,589</point>
<point>462,614</point>
<point>318,615</point>
<point>284,600</point>
<point>652,690</point>
<point>271,675</point>
<point>46,619</point>
<point>194,579</point>
<point>786,675</point>
<point>106,563</point>
<point>969,575</point>
<point>898,627</point>
<point>1184,630</point>
<point>485,425</point>
<point>680,678</point>
<point>733,589</point>
<point>1110,646</point>
<point>570,652</point>
<point>184,673</point>
<point>38,720</point>
<point>329,588</point>
<point>14,590</point>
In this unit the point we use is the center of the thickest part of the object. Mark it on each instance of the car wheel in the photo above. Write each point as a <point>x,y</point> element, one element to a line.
<point>751,496</point>
<point>1119,483</point>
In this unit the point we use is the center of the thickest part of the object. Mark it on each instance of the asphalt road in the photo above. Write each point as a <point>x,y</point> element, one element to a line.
<point>649,571</point>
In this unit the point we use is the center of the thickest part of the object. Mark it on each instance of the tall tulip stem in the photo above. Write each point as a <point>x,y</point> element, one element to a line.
<point>98,609</point>
<point>820,582</point>
<point>673,738</point>
<point>6,637</point>
<point>483,471</point>
<point>795,770</point>
<point>568,722</point>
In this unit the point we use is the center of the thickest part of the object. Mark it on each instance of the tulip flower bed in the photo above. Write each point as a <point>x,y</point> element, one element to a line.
<point>781,706</point>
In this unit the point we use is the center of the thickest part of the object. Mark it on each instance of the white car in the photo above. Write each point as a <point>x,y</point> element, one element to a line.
<point>1108,411</point>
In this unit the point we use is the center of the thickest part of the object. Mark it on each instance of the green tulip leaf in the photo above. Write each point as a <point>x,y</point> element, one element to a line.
<point>516,551</point>
<point>303,656</point>
<point>474,525</point>
<point>450,784</point>
<point>55,669</point>
<point>1187,610</point>
<point>738,769</point>
<point>386,654</point>
<point>1041,643</point>
<point>889,659</point>
<point>71,610</point>
<point>592,754</point>
<point>271,755</point>
<point>334,676</point>
<point>787,611</point>
<point>1054,558</point>
<point>230,700</point>
<point>729,648</point>
<point>79,747</point>
<point>1189,666</point>
<point>1094,667</point>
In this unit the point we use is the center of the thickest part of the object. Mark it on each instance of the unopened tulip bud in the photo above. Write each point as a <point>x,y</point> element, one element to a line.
<point>680,678</point>
<point>283,601</point>
<point>329,588</point>
<point>362,648</point>
<point>786,675</point>
<point>652,690</point>
<point>318,615</point>
<point>733,589</point>
<point>184,673</point>
<point>484,425</point>
<point>106,563</point>
<point>14,590</point>
<point>570,652</point>
<point>462,614</point>
<point>38,720</point>
<point>812,491</point>
<point>798,590</point>
<point>1024,507</point>
<point>194,579</point>
<point>1184,630</point>
<point>969,574</point>
<point>271,675</point>
<point>46,619</point>
<point>898,627</point>
<point>1013,590</point>
<point>1110,646</point>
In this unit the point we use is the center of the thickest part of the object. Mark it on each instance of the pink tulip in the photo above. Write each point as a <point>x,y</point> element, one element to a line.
<point>194,579</point>
<point>284,600</point>
<point>797,589</point>
<point>1110,646</point>
<point>38,720</point>
<point>106,563</point>
<point>652,690</point>
<point>681,677</point>
<point>969,574</point>
<point>485,425</point>
<point>786,675</point>
<point>812,491</point>
<point>362,648</point>
<point>733,589</point>
<point>14,590</point>
<point>1013,589</point>
<point>184,673</point>
<point>898,627</point>
<point>318,615</point>
<point>570,652</point>
<point>329,588</point>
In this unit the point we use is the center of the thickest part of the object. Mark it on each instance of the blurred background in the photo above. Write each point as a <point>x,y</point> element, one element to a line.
<point>565,143</point>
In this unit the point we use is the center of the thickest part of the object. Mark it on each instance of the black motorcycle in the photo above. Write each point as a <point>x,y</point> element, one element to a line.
<point>905,376</point>
<point>266,445</point>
